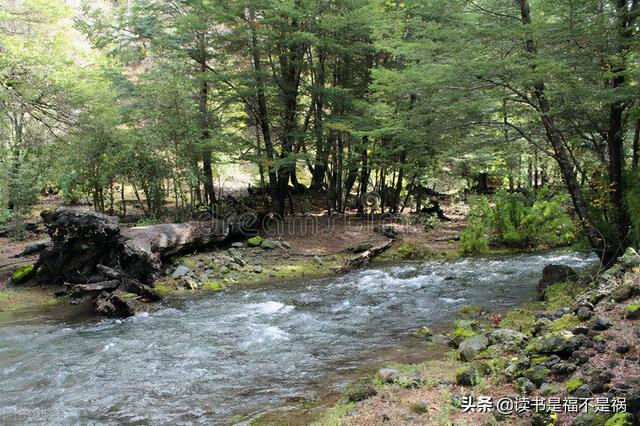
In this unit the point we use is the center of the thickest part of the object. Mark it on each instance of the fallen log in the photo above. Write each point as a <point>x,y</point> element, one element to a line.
<point>363,259</point>
<point>90,251</point>
<point>86,288</point>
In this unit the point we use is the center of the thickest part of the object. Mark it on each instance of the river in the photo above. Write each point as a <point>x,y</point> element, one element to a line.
<point>237,354</point>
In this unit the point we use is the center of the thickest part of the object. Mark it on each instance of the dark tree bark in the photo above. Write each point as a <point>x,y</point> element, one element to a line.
<point>89,250</point>
<point>562,157</point>
<point>262,113</point>
<point>320,167</point>
<point>636,147</point>
<point>615,134</point>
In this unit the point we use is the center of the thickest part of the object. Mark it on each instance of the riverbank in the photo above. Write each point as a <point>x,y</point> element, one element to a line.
<point>580,343</point>
<point>233,356</point>
<point>310,246</point>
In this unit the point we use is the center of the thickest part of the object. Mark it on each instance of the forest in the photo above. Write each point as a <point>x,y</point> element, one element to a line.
<point>107,100</point>
<point>492,127</point>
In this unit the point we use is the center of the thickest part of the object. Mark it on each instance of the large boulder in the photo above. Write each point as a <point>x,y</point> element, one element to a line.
<point>470,347</point>
<point>388,375</point>
<point>508,339</point>
<point>554,274</point>
<point>562,343</point>
<point>630,259</point>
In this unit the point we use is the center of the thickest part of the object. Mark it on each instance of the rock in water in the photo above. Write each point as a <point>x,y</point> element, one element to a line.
<point>553,274</point>
<point>114,305</point>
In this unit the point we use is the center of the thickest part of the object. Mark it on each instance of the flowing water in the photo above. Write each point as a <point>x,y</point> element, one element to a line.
<point>243,352</point>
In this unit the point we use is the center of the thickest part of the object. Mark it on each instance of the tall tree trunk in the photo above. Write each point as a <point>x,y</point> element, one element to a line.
<point>561,155</point>
<point>615,134</point>
<point>398,190</point>
<point>636,147</point>
<point>203,109</point>
<point>364,174</point>
<point>320,166</point>
<point>262,114</point>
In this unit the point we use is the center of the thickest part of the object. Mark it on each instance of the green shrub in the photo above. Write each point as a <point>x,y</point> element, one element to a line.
<point>148,221</point>
<point>5,216</point>
<point>632,198</point>
<point>514,221</point>
<point>406,251</point>
<point>474,240</point>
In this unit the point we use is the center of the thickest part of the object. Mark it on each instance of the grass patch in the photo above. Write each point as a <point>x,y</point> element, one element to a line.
<point>334,415</point>
<point>523,318</point>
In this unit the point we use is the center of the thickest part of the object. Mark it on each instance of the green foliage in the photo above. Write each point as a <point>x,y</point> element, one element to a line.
<point>474,239</point>
<point>419,408</point>
<point>633,206</point>
<point>512,221</point>
<point>5,216</point>
<point>23,186</point>
<point>406,251</point>
<point>147,221</point>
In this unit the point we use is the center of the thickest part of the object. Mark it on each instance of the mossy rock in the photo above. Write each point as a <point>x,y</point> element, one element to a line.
<point>213,286</point>
<point>360,391</point>
<point>632,311</point>
<point>544,418</point>
<point>22,274</point>
<point>521,319</point>
<point>623,292</point>
<point>620,419</point>
<point>471,375</point>
<point>630,259</point>
<point>269,244</point>
<point>538,359</point>
<point>128,296</point>
<point>255,241</point>
<point>565,322</point>
<point>561,294</point>
<point>163,287</point>
<point>573,384</point>
<point>524,386</point>
<point>464,330</point>
<point>423,332</point>
<point>591,418</point>
<point>497,365</point>
<point>560,342</point>
<point>547,389</point>
<point>537,374</point>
